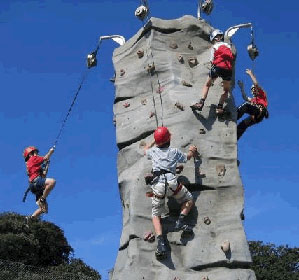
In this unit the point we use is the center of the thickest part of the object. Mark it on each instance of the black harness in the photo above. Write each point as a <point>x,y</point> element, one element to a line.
<point>32,185</point>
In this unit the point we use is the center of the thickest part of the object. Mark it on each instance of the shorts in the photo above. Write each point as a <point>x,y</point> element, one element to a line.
<point>225,74</point>
<point>37,186</point>
<point>159,190</point>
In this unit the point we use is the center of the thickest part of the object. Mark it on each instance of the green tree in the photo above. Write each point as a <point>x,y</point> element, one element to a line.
<point>274,263</point>
<point>39,251</point>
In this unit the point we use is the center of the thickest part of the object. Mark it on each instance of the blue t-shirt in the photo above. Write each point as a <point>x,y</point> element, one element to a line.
<point>166,159</point>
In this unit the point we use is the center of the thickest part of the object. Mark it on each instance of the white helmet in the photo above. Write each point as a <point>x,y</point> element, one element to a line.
<point>215,33</point>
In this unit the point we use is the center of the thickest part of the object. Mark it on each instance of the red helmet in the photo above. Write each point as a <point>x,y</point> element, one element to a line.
<point>161,135</point>
<point>28,150</point>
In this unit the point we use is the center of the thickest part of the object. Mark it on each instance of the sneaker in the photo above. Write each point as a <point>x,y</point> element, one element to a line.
<point>42,203</point>
<point>161,252</point>
<point>198,106</point>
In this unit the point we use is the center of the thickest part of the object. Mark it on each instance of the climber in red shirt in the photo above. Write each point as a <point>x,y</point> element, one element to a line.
<point>222,60</point>
<point>255,107</point>
<point>38,184</point>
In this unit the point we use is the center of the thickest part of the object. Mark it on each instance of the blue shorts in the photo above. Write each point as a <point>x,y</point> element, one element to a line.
<point>37,186</point>
<point>225,74</point>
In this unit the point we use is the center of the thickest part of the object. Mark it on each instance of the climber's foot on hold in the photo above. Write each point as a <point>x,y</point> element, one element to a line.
<point>198,106</point>
<point>161,252</point>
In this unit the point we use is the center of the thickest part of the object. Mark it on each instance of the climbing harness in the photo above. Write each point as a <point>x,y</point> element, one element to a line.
<point>43,174</point>
<point>142,12</point>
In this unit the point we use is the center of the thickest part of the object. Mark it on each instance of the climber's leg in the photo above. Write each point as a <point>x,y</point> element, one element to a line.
<point>243,125</point>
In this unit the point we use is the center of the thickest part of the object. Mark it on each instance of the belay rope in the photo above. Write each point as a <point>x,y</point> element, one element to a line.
<point>70,108</point>
<point>150,72</point>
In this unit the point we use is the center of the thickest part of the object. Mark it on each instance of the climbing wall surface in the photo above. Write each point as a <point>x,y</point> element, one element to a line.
<point>180,50</point>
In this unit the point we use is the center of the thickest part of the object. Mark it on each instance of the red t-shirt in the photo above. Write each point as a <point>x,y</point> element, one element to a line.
<point>260,98</point>
<point>34,166</point>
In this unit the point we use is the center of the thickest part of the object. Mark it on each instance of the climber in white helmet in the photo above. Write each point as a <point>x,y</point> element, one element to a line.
<point>165,184</point>
<point>222,60</point>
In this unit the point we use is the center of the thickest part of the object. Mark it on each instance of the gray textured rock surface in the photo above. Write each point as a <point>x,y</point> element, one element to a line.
<point>180,50</point>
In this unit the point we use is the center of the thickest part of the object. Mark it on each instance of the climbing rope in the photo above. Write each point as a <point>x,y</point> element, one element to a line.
<point>150,54</point>
<point>70,108</point>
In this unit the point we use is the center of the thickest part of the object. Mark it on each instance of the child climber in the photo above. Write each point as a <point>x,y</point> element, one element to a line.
<point>255,107</point>
<point>164,161</point>
<point>38,184</point>
<point>222,60</point>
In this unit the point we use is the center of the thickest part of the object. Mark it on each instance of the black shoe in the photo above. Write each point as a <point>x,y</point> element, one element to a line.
<point>180,224</point>
<point>187,231</point>
<point>161,252</point>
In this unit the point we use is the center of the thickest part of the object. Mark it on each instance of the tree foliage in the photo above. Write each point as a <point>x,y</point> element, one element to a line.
<point>40,249</point>
<point>274,263</point>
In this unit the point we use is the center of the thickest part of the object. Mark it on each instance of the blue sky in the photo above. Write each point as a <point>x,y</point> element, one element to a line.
<point>42,59</point>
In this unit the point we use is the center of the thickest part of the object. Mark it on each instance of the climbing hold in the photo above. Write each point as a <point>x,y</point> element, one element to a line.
<point>126,104</point>
<point>160,89</point>
<point>186,84</point>
<point>173,45</point>
<point>152,114</point>
<point>140,53</point>
<point>220,169</point>
<point>142,144</point>
<point>179,106</point>
<point>179,169</point>
<point>112,79</point>
<point>252,51</point>
<point>92,59</point>
<point>225,247</point>
<point>205,278</point>
<point>207,6</point>
<point>122,72</point>
<point>141,12</point>
<point>190,47</point>
<point>242,216</point>
<point>149,236</point>
<point>206,220</point>
<point>114,120</point>
<point>202,131</point>
<point>151,68</point>
<point>192,61</point>
<point>180,58</point>
<point>143,101</point>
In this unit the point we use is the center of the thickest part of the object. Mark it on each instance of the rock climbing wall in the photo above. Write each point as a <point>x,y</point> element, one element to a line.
<point>159,74</point>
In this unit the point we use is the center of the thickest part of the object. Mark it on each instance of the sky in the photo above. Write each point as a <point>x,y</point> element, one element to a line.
<point>43,48</point>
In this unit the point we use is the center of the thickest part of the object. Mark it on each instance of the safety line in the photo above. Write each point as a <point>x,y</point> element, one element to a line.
<point>149,50</point>
<point>70,108</point>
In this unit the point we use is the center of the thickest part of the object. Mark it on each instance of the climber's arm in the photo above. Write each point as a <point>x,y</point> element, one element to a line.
<point>253,78</point>
<point>241,85</point>
<point>148,146</point>
<point>192,152</point>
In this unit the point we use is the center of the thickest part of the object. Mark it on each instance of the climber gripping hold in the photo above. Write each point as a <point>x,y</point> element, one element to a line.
<point>222,60</point>
<point>164,162</point>
<point>255,107</point>
<point>38,183</point>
